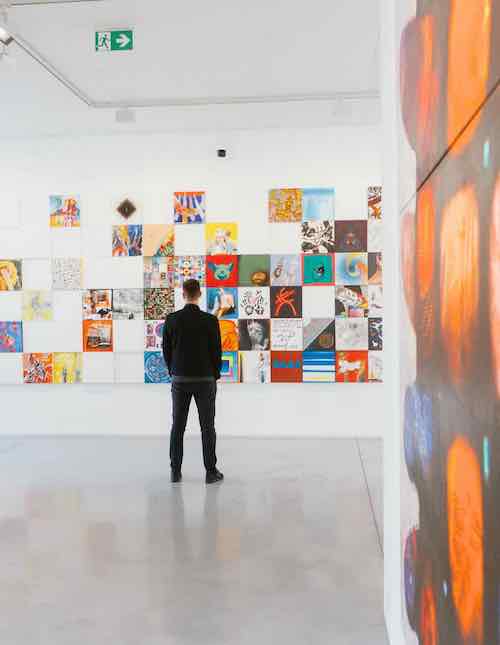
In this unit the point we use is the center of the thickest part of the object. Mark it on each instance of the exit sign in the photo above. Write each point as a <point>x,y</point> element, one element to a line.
<point>115,40</point>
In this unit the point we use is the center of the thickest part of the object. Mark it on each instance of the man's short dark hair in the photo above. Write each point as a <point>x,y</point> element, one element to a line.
<point>191,289</point>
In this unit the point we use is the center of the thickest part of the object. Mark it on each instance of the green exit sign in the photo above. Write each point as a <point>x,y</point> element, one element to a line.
<point>114,40</point>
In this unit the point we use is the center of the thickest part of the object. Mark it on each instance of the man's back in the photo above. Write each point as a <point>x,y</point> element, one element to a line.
<point>192,344</point>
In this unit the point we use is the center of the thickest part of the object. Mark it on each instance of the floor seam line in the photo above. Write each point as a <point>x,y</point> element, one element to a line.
<point>379,539</point>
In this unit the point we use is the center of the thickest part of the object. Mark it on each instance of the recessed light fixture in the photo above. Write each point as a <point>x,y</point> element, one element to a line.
<point>5,37</point>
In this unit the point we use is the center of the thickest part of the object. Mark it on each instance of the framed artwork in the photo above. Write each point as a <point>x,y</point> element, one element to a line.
<point>285,205</point>
<point>11,275</point>
<point>64,211</point>
<point>190,207</point>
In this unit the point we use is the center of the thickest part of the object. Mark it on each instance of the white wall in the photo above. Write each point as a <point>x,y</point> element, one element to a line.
<point>98,168</point>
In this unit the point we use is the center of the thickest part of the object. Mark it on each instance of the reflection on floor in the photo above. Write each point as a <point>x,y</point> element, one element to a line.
<point>98,547</point>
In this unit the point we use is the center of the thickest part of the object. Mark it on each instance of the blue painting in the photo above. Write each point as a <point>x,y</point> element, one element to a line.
<point>155,370</point>
<point>222,302</point>
<point>11,337</point>
<point>318,204</point>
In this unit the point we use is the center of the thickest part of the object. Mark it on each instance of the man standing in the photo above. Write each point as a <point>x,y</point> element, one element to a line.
<point>193,354</point>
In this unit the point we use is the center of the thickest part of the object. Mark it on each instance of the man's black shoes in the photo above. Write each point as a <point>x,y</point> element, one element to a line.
<point>175,476</point>
<point>214,476</point>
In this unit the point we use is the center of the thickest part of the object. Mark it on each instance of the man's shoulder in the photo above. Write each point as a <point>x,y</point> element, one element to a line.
<point>210,318</point>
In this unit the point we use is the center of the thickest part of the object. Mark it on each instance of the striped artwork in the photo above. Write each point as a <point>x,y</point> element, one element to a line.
<point>318,367</point>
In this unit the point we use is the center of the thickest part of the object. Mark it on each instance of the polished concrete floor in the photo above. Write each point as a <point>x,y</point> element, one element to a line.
<point>97,547</point>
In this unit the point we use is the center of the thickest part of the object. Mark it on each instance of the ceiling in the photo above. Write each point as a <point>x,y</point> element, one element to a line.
<point>230,63</point>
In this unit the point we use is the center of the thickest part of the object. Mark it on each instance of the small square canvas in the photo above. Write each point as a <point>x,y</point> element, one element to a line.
<point>153,334</point>
<point>222,271</point>
<point>159,272</point>
<point>351,301</point>
<point>351,333</point>
<point>127,210</point>
<point>286,367</point>
<point>37,305</point>
<point>97,335</point>
<point>190,207</point>
<point>189,267</point>
<point>128,304</point>
<point>254,270</point>
<point>68,367</point>
<point>318,204</point>
<point>38,368</point>
<point>97,304</point>
<point>230,365</point>
<point>222,302</point>
<point>286,334</point>
<point>255,367</point>
<point>11,275</point>
<point>221,238</point>
<point>158,303</point>
<point>351,268</point>
<point>11,337</point>
<point>67,274</point>
<point>286,270</point>
<point>285,205</point>
<point>352,367</point>
<point>318,367</point>
<point>351,236</point>
<point>158,240</point>
<point>319,334</point>
<point>254,302</point>
<point>254,335</point>
<point>155,370</point>
<point>64,211</point>
<point>375,203</point>
<point>127,240</point>
<point>318,270</point>
<point>318,237</point>
<point>286,302</point>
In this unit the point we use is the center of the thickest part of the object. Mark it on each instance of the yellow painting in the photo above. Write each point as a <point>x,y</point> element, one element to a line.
<point>67,367</point>
<point>158,240</point>
<point>285,205</point>
<point>37,305</point>
<point>222,238</point>
<point>10,275</point>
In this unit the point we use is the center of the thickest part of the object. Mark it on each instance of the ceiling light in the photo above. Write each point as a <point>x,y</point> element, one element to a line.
<point>5,37</point>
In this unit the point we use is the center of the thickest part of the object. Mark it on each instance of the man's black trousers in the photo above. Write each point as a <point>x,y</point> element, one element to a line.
<point>204,393</point>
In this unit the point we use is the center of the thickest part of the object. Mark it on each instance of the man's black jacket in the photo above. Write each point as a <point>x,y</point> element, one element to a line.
<point>192,343</point>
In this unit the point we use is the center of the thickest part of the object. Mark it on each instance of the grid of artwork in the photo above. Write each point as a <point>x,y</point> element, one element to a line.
<point>313,316</point>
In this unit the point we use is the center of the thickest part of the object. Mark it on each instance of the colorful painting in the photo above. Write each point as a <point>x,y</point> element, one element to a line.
<point>155,370</point>
<point>351,268</point>
<point>127,240</point>
<point>351,301</point>
<point>318,237</point>
<point>318,204</point>
<point>255,367</point>
<point>222,302</point>
<point>286,302</point>
<point>351,333</point>
<point>189,267</point>
<point>285,205</point>
<point>254,335</point>
<point>37,305</point>
<point>158,303</point>
<point>190,207</point>
<point>286,367</point>
<point>37,368</point>
<point>318,270</point>
<point>153,334</point>
<point>374,268</point>
<point>230,367</point>
<point>64,211</point>
<point>286,334</point>
<point>229,335</point>
<point>67,274</point>
<point>159,272</point>
<point>11,275</point>
<point>254,302</point>
<point>67,367</point>
<point>254,270</point>
<point>318,367</point>
<point>97,304</point>
<point>97,335</point>
<point>286,270</point>
<point>319,334</point>
<point>222,238</point>
<point>158,240</point>
<point>11,337</point>
<point>222,271</point>
<point>351,236</point>
<point>352,367</point>
<point>128,304</point>
<point>375,203</point>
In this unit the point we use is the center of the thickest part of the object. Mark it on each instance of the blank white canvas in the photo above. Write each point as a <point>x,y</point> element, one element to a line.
<point>37,274</point>
<point>11,305</point>
<point>53,336</point>
<point>11,369</point>
<point>98,367</point>
<point>128,335</point>
<point>129,368</point>
<point>318,302</point>
<point>67,305</point>
<point>190,239</point>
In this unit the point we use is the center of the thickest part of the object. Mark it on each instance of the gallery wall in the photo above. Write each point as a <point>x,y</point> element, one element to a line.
<point>149,169</point>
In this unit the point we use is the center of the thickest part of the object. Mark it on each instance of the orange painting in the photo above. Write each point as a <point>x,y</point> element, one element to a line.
<point>97,335</point>
<point>408,262</point>
<point>495,285</point>
<point>425,239</point>
<point>37,368</point>
<point>229,335</point>
<point>468,66</point>
<point>465,538</point>
<point>428,616</point>
<point>460,279</point>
